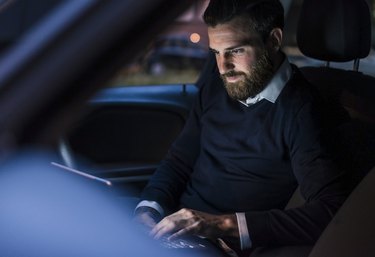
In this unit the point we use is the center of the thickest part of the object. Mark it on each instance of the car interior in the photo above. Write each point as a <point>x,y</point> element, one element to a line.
<point>323,34</point>
<point>121,134</point>
<point>117,116</point>
<point>335,41</point>
<point>126,133</point>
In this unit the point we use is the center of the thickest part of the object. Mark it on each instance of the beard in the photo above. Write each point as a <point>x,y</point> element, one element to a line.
<point>253,83</point>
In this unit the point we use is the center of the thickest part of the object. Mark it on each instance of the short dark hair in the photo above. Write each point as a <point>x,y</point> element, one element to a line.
<point>261,15</point>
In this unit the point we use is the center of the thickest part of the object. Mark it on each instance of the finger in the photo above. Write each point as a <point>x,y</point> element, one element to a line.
<point>185,231</point>
<point>165,230</point>
<point>166,224</point>
<point>178,234</point>
<point>162,228</point>
<point>157,227</point>
<point>171,223</point>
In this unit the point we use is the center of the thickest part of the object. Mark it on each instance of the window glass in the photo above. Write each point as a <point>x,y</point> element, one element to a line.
<point>175,56</point>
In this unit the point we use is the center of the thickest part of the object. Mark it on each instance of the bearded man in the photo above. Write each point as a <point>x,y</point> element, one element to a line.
<point>254,134</point>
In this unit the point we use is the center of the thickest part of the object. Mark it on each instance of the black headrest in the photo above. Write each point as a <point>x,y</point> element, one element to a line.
<point>334,30</point>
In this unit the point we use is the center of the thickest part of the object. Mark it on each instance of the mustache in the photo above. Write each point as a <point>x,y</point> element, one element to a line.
<point>232,73</point>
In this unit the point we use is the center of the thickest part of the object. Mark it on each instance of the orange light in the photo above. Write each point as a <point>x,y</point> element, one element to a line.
<point>195,37</point>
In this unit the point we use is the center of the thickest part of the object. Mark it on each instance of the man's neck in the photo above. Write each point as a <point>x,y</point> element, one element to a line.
<point>277,60</point>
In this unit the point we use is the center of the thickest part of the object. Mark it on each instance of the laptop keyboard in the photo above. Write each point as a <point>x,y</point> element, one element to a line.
<point>180,243</point>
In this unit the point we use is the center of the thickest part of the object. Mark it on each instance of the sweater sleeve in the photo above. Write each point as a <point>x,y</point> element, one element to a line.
<point>320,183</point>
<point>170,178</point>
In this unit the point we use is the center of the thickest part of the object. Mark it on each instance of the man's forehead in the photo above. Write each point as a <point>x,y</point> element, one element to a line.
<point>232,35</point>
<point>238,26</point>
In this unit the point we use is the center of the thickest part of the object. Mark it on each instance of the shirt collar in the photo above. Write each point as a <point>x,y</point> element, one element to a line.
<point>274,86</point>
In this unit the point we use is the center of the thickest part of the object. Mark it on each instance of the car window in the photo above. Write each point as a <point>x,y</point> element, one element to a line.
<point>179,53</point>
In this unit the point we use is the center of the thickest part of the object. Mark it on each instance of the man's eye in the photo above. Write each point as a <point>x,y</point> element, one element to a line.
<point>237,51</point>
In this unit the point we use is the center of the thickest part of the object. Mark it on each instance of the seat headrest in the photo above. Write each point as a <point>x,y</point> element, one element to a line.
<point>334,30</point>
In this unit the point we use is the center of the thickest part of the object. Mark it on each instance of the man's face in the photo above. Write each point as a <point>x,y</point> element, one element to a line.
<point>242,59</point>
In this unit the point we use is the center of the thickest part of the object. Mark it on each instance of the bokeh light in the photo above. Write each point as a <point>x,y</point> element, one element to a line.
<point>195,37</point>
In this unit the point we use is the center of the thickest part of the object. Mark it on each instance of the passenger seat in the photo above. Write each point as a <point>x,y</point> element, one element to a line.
<point>340,31</point>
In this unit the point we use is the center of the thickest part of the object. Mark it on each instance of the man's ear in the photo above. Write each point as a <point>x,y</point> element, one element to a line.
<point>275,38</point>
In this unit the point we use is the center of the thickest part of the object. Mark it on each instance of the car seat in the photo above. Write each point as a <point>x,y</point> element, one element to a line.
<point>340,31</point>
<point>351,233</point>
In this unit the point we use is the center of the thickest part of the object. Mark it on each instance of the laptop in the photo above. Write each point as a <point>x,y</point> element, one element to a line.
<point>190,244</point>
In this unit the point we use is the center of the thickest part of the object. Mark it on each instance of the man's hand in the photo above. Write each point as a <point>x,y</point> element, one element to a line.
<point>187,221</point>
<point>147,217</point>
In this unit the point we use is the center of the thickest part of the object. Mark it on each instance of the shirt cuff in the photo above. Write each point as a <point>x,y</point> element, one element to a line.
<point>151,204</point>
<point>244,232</point>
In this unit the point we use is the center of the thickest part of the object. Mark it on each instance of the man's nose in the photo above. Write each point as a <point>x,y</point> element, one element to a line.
<point>224,64</point>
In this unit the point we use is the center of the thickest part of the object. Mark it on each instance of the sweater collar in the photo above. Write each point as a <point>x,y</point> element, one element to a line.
<point>274,86</point>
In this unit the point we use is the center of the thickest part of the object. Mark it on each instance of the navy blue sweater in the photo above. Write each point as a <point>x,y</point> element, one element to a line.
<point>232,158</point>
